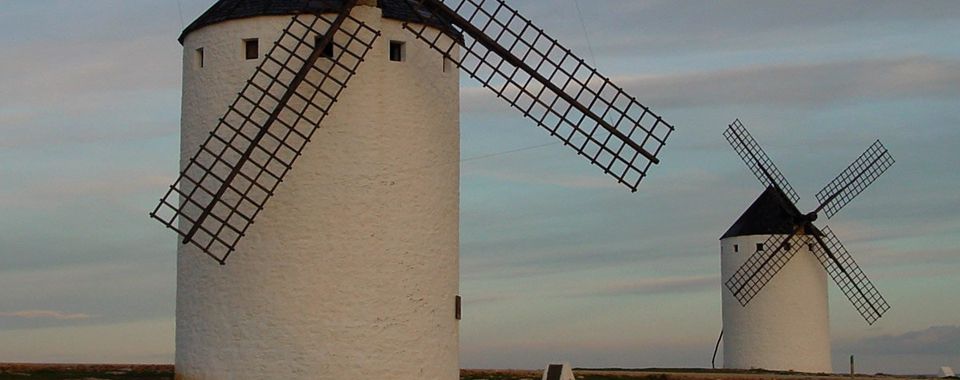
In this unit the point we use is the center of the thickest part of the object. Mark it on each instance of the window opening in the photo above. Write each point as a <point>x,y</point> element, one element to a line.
<point>327,51</point>
<point>458,313</point>
<point>759,246</point>
<point>251,48</point>
<point>736,248</point>
<point>397,51</point>
<point>199,57</point>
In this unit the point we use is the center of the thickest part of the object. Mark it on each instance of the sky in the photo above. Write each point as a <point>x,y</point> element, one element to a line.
<point>558,261</point>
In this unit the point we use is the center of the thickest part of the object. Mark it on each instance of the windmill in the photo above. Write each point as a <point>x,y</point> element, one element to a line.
<point>351,269</point>
<point>786,326</point>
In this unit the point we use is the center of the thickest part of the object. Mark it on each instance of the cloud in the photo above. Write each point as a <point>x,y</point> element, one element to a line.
<point>142,341</point>
<point>44,314</point>
<point>654,29</point>
<point>77,88</point>
<point>803,84</point>
<point>523,175</point>
<point>110,186</point>
<point>654,286</point>
<point>934,340</point>
<point>488,299</point>
<point>791,84</point>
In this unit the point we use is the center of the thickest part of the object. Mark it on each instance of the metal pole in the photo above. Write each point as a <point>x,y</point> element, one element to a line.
<point>851,367</point>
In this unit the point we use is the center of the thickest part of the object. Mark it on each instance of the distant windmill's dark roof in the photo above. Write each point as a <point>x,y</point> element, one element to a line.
<point>225,10</point>
<point>771,214</point>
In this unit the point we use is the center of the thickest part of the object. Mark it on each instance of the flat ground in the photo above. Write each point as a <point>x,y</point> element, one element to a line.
<point>667,374</point>
<point>165,372</point>
<point>85,372</point>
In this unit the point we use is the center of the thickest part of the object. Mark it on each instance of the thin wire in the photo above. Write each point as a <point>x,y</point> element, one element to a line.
<point>180,11</point>
<point>586,35</point>
<point>491,155</point>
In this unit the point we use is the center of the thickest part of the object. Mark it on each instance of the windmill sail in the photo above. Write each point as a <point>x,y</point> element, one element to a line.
<point>757,160</point>
<point>237,169</point>
<point>849,277</point>
<point>546,82</point>
<point>854,179</point>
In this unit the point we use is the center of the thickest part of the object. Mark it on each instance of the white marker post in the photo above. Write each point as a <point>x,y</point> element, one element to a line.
<point>558,371</point>
<point>947,372</point>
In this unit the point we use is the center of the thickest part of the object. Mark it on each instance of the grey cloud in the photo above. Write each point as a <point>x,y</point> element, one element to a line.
<point>43,314</point>
<point>811,84</point>
<point>658,28</point>
<point>133,64</point>
<point>106,189</point>
<point>533,233</point>
<point>794,84</point>
<point>488,299</point>
<point>654,286</point>
<point>934,340</point>
<point>21,319</point>
<point>107,83</point>
<point>86,295</point>
<point>570,181</point>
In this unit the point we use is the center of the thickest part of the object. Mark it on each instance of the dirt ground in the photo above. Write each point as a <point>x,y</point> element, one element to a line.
<point>165,372</point>
<point>666,374</point>
<point>85,372</point>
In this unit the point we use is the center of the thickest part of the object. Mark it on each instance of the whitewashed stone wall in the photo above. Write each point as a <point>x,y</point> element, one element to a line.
<point>351,272</point>
<point>786,326</point>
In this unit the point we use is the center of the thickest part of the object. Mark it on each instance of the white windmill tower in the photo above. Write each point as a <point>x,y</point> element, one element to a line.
<point>351,271</point>
<point>786,326</point>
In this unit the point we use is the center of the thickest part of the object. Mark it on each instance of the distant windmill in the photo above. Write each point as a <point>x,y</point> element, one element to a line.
<point>787,327</point>
<point>351,271</point>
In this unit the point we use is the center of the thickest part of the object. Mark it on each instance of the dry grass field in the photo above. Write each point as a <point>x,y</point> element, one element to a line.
<point>165,372</point>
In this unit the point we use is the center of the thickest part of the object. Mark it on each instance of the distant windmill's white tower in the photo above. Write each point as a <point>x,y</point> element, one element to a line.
<point>352,272</point>
<point>786,326</point>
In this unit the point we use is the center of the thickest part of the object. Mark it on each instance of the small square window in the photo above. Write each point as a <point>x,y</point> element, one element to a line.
<point>759,246</point>
<point>398,51</point>
<point>787,246</point>
<point>199,57</point>
<point>810,247</point>
<point>736,248</point>
<point>251,48</point>
<point>327,51</point>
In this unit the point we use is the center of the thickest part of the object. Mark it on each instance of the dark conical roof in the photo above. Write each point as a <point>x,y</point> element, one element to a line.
<point>224,10</point>
<point>771,214</point>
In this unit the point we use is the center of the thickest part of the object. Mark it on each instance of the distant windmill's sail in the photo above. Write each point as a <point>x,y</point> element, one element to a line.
<point>760,267</point>
<point>757,160</point>
<point>854,179</point>
<point>238,168</point>
<point>547,83</point>
<point>849,277</point>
